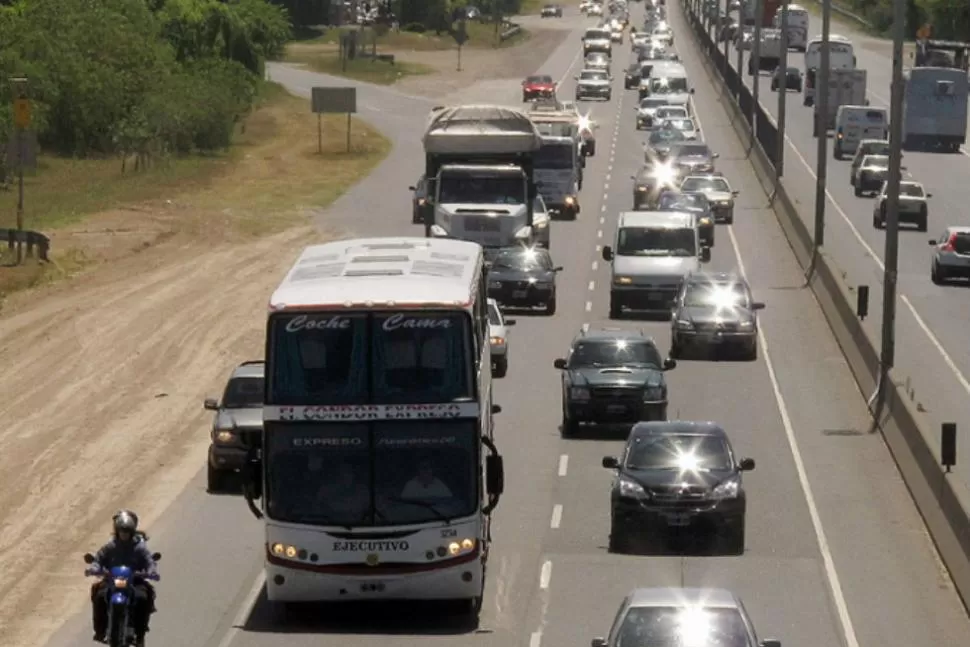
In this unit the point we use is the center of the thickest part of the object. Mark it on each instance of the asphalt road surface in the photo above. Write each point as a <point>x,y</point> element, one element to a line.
<point>836,555</point>
<point>932,350</point>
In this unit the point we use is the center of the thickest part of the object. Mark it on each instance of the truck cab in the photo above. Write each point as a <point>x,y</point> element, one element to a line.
<point>558,171</point>
<point>770,51</point>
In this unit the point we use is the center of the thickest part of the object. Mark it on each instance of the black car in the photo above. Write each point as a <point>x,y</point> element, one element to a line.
<point>652,179</point>
<point>523,277</point>
<point>612,377</point>
<point>792,79</point>
<point>663,139</point>
<point>631,78</point>
<point>696,203</point>
<point>677,475</point>
<point>715,310</point>
<point>692,158</point>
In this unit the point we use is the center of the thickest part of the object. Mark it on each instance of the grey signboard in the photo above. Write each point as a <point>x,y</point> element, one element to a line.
<point>27,148</point>
<point>329,100</point>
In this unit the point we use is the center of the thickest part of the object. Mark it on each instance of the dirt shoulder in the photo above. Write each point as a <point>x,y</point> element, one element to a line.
<point>105,374</point>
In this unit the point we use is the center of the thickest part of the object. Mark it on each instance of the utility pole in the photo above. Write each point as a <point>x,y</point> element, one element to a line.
<point>755,61</point>
<point>891,255</point>
<point>821,112</point>
<point>21,118</point>
<point>727,42</point>
<point>782,94</point>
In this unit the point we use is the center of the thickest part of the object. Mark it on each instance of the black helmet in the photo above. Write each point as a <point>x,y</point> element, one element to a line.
<point>125,521</point>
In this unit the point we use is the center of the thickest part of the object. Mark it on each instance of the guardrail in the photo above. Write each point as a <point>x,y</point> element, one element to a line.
<point>943,503</point>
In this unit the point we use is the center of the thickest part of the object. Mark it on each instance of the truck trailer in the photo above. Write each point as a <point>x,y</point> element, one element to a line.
<point>845,88</point>
<point>935,109</point>
<point>479,164</point>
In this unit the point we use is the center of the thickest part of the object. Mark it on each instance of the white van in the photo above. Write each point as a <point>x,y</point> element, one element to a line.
<point>798,18</point>
<point>855,123</point>
<point>841,57</point>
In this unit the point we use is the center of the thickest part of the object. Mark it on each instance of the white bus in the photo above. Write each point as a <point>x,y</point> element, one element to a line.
<point>798,20</point>
<point>841,57</point>
<point>377,471</point>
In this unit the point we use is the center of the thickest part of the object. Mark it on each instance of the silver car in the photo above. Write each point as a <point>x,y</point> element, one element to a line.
<point>498,333</point>
<point>658,616</point>
<point>541,223</point>
<point>951,258</point>
<point>687,127</point>
<point>597,61</point>
<point>237,424</point>
<point>647,111</point>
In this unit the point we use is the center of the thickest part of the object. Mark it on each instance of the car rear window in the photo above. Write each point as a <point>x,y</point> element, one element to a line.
<point>961,243</point>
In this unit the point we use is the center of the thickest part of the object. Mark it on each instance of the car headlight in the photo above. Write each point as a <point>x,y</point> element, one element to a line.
<point>525,233</point>
<point>622,280</point>
<point>653,393</point>
<point>642,189</point>
<point>705,220</point>
<point>495,284</point>
<point>746,325</point>
<point>437,231</point>
<point>631,489</point>
<point>728,489</point>
<point>498,341</point>
<point>684,324</point>
<point>540,224</point>
<point>224,436</point>
<point>579,393</point>
<point>422,202</point>
<point>570,200</point>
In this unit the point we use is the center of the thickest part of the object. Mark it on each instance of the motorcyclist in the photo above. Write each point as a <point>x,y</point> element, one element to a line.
<point>128,548</point>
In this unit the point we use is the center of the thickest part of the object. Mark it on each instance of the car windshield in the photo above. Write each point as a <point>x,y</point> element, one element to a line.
<point>652,103</point>
<point>556,128</point>
<point>693,150</point>
<point>592,76</point>
<point>669,85</point>
<point>243,393</point>
<point>493,315</point>
<point>663,135</point>
<point>882,148</point>
<point>537,80</point>
<point>719,295</point>
<point>961,243</point>
<point>682,452</point>
<point>671,112</point>
<point>681,627</point>
<point>656,241</point>
<point>378,473</point>
<point>681,202</point>
<point>705,184</point>
<point>911,190</point>
<point>469,189</point>
<point>526,259</point>
<point>876,161</point>
<point>682,124</point>
<point>619,352</point>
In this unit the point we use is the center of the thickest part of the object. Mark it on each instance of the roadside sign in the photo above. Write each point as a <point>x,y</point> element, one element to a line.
<point>21,113</point>
<point>29,150</point>
<point>924,32</point>
<point>333,100</point>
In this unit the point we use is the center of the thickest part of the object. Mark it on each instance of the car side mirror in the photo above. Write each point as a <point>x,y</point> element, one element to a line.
<point>496,408</point>
<point>411,188</point>
<point>211,404</point>
<point>494,475</point>
<point>598,642</point>
<point>770,642</point>
<point>610,463</point>
<point>929,195</point>
<point>575,78</point>
<point>746,464</point>
<point>510,322</point>
<point>670,364</point>
<point>156,556</point>
<point>488,265</point>
<point>559,364</point>
<point>735,193</point>
<point>557,268</point>
<point>88,558</point>
<point>705,254</point>
<point>692,90</point>
<point>903,168</point>
<point>715,155</point>
<point>932,242</point>
<point>757,305</point>
<point>607,253</point>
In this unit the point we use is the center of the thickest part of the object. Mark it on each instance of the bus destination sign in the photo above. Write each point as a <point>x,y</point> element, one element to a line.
<point>367,412</point>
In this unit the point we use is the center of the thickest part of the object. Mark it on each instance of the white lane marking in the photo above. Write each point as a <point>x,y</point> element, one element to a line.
<point>556,516</point>
<point>609,169</point>
<point>592,285</point>
<point>606,188</point>
<point>243,614</point>
<point>606,197</point>
<point>947,359</point>
<point>831,574</point>
<point>546,574</point>
<point>563,464</point>
<point>602,220</point>
<point>589,306</point>
<point>595,265</point>
<point>607,181</point>
<point>569,68</point>
<point>585,327</point>
<point>599,234</point>
<point>535,640</point>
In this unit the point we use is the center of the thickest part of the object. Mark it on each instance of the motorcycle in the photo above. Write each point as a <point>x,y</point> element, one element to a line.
<point>121,598</point>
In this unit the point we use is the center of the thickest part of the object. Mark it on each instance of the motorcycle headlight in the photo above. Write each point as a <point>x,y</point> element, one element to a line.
<point>579,393</point>
<point>121,583</point>
<point>728,489</point>
<point>631,489</point>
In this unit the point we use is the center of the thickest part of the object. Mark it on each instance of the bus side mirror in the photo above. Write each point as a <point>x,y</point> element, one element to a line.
<point>494,475</point>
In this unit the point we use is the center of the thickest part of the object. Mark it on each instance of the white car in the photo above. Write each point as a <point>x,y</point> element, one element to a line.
<point>541,222</point>
<point>647,111</point>
<point>686,126</point>
<point>913,207</point>
<point>597,61</point>
<point>671,112</point>
<point>498,332</point>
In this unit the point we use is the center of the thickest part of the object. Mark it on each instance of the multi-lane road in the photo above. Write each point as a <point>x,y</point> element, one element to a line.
<point>933,335</point>
<point>836,555</point>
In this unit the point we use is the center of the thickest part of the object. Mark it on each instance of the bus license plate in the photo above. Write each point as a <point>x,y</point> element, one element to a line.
<point>372,587</point>
<point>519,294</point>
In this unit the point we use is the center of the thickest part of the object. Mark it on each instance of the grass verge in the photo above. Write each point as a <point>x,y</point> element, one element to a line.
<point>480,36</point>
<point>368,70</point>
<point>269,180</point>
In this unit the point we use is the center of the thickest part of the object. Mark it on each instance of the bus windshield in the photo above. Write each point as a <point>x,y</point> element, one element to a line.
<point>372,474</point>
<point>556,156</point>
<point>368,358</point>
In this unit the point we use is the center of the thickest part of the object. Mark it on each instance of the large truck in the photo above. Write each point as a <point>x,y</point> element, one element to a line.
<point>845,88</point>
<point>797,28</point>
<point>559,175</point>
<point>935,108</point>
<point>769,55</point>
<point>479,168</point>
<point>841,57</point>
<point>749,10</point>
<point>942,53</point>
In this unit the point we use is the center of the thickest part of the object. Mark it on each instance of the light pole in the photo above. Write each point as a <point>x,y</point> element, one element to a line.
<point>782,85</point>
<point>821,110</point>
<point>755,61</point>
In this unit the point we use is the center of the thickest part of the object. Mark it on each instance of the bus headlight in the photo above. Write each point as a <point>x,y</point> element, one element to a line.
<point>290,552</point>
<point>461,547</point>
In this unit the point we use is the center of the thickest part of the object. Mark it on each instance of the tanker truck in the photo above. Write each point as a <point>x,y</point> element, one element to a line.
<point>481,182</point>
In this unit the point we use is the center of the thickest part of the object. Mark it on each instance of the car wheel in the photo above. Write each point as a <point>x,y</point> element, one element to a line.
<point>750,351</point>
<point>215,479</point>
<point>857,190</point>
<point>501,367</point>
<point>551,307</point>
<point>837,153</point>
<point>936,275</point>
<point>569,427</point>
<point>734,541</point>
<point>924,219</point>
<point>876,224</point>
<point>616,309</point>
<point>619,540</point>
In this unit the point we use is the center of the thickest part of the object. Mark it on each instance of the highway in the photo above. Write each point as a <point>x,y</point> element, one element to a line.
<point>836,555</point>
<point>932,350</point>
